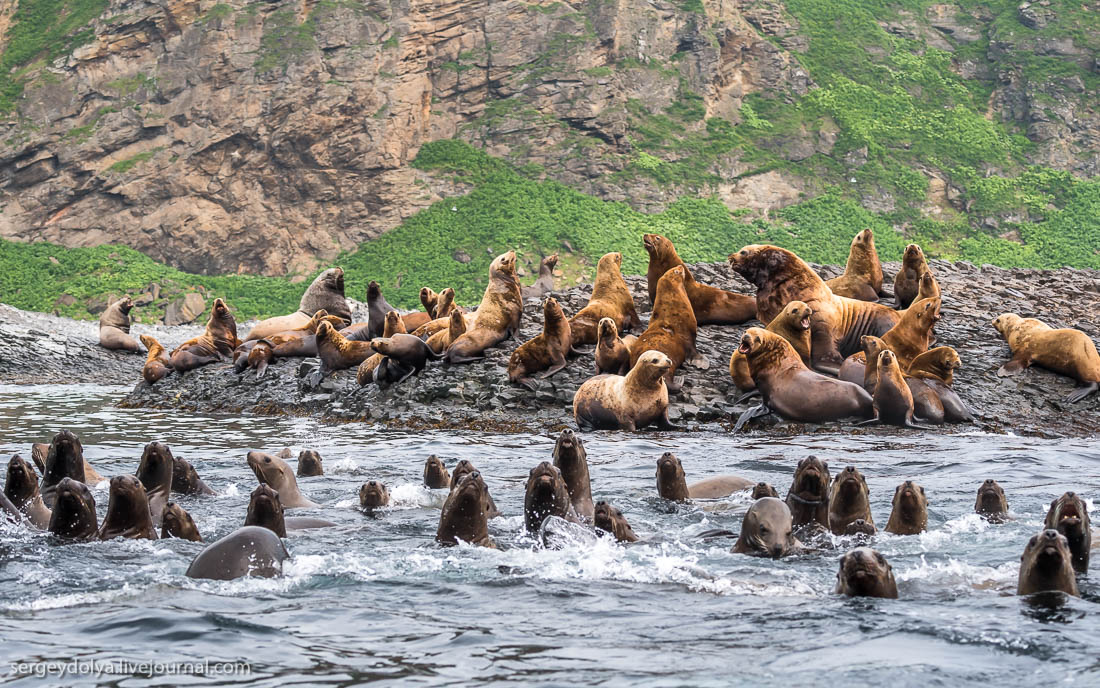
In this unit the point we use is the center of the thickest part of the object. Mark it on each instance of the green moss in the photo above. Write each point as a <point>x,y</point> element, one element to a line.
<point>215,14</point>
<point>129,85</point>
<point>284,40</point>
<point>390,42</point>
<point>123,166</point>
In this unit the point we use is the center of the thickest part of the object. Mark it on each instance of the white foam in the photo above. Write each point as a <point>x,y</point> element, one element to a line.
<point>344,465</point>
<point>959,574</point>
<point>413,495</point>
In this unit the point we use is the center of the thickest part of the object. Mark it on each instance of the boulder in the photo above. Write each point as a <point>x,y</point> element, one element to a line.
<point>184,309</point>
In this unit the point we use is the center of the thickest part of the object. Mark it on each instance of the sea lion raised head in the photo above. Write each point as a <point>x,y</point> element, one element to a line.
<point>464,467</point>
<point>127,511</point>
<point>611,298</point>
<point>762,489</point>
<point>177,523</point>
<point>273,471</point>
<point>612,353</point>
<point>435,473</point>
<point>572,460</point>
<point>546,495</point>
<point>265,509</point>
<point>936,364</point>
<point>326,292</point>
<point>865,573</point>
<point>155,474</point>
<point>767,531</point>
<point>909,515</point>
<point>991,502</point>
<point>309,464</point>
<point>465,513</point>
<point>907,281</point>
<point>65,459</point>
<point>848,500</point>
<point>21,489</point>
<point>671,481</point>
<point>186,480</point>
<point>373,495</point>
<point>808,498</point>
<point>609,519</point>
<point>1046,565</point>
<point>1069,515</point>
<point>859,527</point>
<point>446,304</point>
<point>74,516</point>
<point>157,364</point>
<point>429,299</point>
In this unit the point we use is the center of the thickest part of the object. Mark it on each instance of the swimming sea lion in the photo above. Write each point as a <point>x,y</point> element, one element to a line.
<point>273,471</point>
<point>178,523</point>
<point>403,356</point>
<point>497,318</point>
<point>862,278</point>
<point>610,520</point>
<point>866,573</point>
<point>610,299</point>
<point>38,455</point>
<point>74,515</point>
<point>435,474</point>
<point>909,515</point>
<point>373,495</point>
<point>630,402</point>
<point>792,324</point>
<point>265,509</point>
<point>337,352</point>
<point>991,502</point>
<point>309,464</point>
<point>546,495</point>
<point>114,327</point>
<point>155,474</point>
<point>21,489</point>
<point>365,374</point>
<point>545,282</point>
<point>465,514</point>
<point>127,511</point>
<point>546,353</point>
<point>219,340</point>
<point>763,489</point>
<point>907,281</point>
<point>572,460</point>
<point>848,500</point>
<point>710,305</point>
<point>860,528</point>
<point>186,480</point>
<point>157,364</point>
<point>612,352</point>
<point>65,459</point>
<point>893,401</point>
<point>672,482</point>
<point>463,467</point>
<point>808,498</point>
<point>325,292</point>
<point>672,328</point>
<point>247,551</point>
<point>456,327</point>
<point>1045,565</point>
<point>766,530</point>
<point>1069,515</point>
<point>1064,351</point>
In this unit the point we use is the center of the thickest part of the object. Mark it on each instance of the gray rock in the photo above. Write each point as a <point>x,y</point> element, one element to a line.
<point>184,309</point>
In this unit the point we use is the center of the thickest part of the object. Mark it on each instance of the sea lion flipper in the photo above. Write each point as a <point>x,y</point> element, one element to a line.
<point>551,370</point>
<point>747,396</point>
<point>1016,365</point>
<point>528,383</point>
<point>698,360</point>
<point>754,412</point>
<point>870,421</point>
<point>1081,392</point>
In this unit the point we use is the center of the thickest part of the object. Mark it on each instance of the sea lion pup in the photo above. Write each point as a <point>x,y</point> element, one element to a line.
<point>21,489</point>
<point>273,471</point>
<point>808,498</point>
<point>991,503</point>
<point>258,357</point>
<point>791,389</point>
<point>710,305</point>
<point>766,530</point>
<point>630,402</point>
<point>498,316</point>
<point>157,366</point>
<point>114,327</point>
<point>907,281</point>
<point>247,551</point>
<point>862,278</point>
<point>325,292</point>
<point>127,511</point>
<point>462,468</point>
<point>65,459</point>
<point>610,299</point>
<point>763,489</point>
<point>219,339</point>
<point>73,516</point>
<point>672,482</point>
<point>1069,515</point>
<point>546,353</point>
<point>365,374</point>
<point>935,368</point>
<point>403,356</point>
<point>610,520</point>
<point>571,459</point>
<point>893,401</point>
<point>545,282</point>
<point>155,474</point>
<point>178,523</point>
<point>373,495</point>
<point>465,514</point>
<point>186,480</point>
<point>456,327</point>
<point>612,352</point>
<point>546,495</point>
<point>672,328</point>
<point>1064,351</point>
<point>909,515</point>
<point>435,474</point>
<point>792,324</point>
<point>1045,565</point>
<point>309,464</point>
<point>337,352</point>
<point>848,500</point>
<point>866,573</point>
<point>837,322</point>
<point>429,299</point>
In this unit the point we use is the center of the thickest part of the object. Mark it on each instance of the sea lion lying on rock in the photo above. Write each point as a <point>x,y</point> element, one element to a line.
<point>157,364</point>
<point>114,327</point>
<point>218,341</point>
<point>1064,351</point>
<point>325,292</point>
<point>792,324</point>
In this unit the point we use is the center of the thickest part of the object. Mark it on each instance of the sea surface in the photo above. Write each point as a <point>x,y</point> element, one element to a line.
<point>376,600</point>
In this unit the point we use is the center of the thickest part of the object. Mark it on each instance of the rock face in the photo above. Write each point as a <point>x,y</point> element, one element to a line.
<point>184,309</point>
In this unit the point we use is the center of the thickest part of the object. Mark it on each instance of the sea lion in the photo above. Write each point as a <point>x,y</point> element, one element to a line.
<point>446,304</point>
<point>326,292</point>
<point>178,523</point>
<point>309,464</point>
<point>572,460</point>
<point>265,509</point>
<point>337,352</point>
<point>1064,351</point>
<point>38,455</point>
<point>441,317</point>
<point>435,474</point>
<point>546,495</point>
<point>442,339</point>
<point>926,401</point>
<point>909,515</point>
<point>186,480</point>
<point>1069,515</point>
<point>373,495</point>
<point>462,468</point>
<point>403,356</point>
<point>259,357</point>
<point>991,502</point>
<point>860,528</point>
<point>866,573</point>
<point>893,400</point>
<point>672,482</point>
<point>127,511</point>
<point>935,370</point>
<point>808,497</point>
<point>377,307</point>
<point>848,500</point>
<point>21,489</point>
<point>273,471</point>
<point>907,281</point>
<point>247,551</point>
<point>610,520</point>
<point>792,324</point>
<point>157,365</point>
<point>610,299</point>
<point>114,327</point>
<point>74,515</point>
<point>65,459</point>
<point>297,343</point>
<point>612,352</point>
<point>1045,565</point>
<point>155,474</point>
<point>498,316</point>
<point>763,489</point>
<point>545,282</point>
<point>672,328</point>
<point>837,322</point>
<point>465,514</point>
<point>630,402</point>
<point>219,340</point>
<point>710,305</point>
<point>766,530</point>
<point>429,299</point>
<point>862,278</point>
<point>908,339</point>
<point>546,353</point>
<point>365,374</point>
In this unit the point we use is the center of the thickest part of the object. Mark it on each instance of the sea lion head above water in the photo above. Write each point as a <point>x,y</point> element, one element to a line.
<point>21,485</point>
<point>309,464</point>
<point>156,468</point>
<point>373,495</point>
<point>177,523</point>
<point>186,480</point>
<point>465,513</point>
<point>991,502</point>
<point>848,500</point>
<point>609,519</point>
<point>435,473</point>
<point>1069,515</point>
<point>266,510</point>
<point>546,495</point>
<point>671,481</point>
<point>808,498</point>
<point>866,573</point>
<point>64,459</point>
<point>762,489</point>
<point>74,516</point>
<point>766,530</point>
<point>1046,565</point>
<point>128,512</point>
<point>273,471</point>
<point>572,459</point>
<point>859,527</point>
<point>909,515</point>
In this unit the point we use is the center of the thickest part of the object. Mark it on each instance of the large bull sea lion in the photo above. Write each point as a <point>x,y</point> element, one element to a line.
<point>114,327</point>
<point>325,292</point>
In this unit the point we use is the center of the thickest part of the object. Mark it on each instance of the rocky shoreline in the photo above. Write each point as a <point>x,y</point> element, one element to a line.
<point>44,349</point>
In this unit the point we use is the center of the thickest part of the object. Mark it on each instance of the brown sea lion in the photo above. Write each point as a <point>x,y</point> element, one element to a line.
<point>127,511</point>
<point>935,369</point>
<point>38,455</point>
<point>991,502</point>
<point>298,343</point>
<point>710,305</point>
<point>456,327</point>
<point>672,329</point>
<point>365,374</point>
<point>610,299</point>
<point>792,324</point>
<point>429,299</point>
<point>1064,351</point>
<point>186,480</point>
<point>546,353</point>
<point>848,500</point>
<point>373,495</point>
<point>74,515</point>
<point>326,292</point>
<point>247,551</point>
<point>155,474</point>
<point>908,339</point>
<point>403,356</point>
<point>866,573</point>
<point>465,514</point>
<point>907,281</point>
<point>862,278</point>
<point>1045,565</point>
<point>763,489</point>
<point>766,530</point>
<point>114,327</point>
<point>546,495</point>
<point>837,322</point>
<point>571,459</point>
<point>377,307</point>
<point>610,520</point>
<point>545,282</point>
<point>260,356</point>
<point>1069,515</point>
<point>928,288</point>
<point>612,352</point>
<point>265,509</point>
<point>446,305</point>
<point>65,459</point>
<point>273,471</point>
<point>338,352</point>
<point>218,341</point>
<point>808,498</point>
<point>178,523</point>
<point>309,464</point>
<point>157,365</point>
<point>859,527</point>
<point>435,474</point>
<point>412,321</point>
<point>630,402</point>
<point>893,401</point>
<point>497,318</point>
<point>21,489</point>
<point>463,467</point>
<point>909,515</point>
<point>672,482</point>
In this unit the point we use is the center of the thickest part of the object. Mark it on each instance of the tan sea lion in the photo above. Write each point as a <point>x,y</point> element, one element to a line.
<point>463,467</point>
<point>893,401</point>
<point>612,352</point>
<point>155,474</point>
<point>710,305</point>
<point>178,523</point>
<point>848,500</point>
<point>338,352</point>
<point>1045,565</point>
<point>456,327</point>
<point>1069,515</point>
<point>546,354</point>
<point>259,357</point>
<point>114,327</point>
<point>808,498</point>
<point>21,489</point>
<point>157,365</point>
<point>247,551</point>
<point>446,305</point>
<point>65,459</point>
<point>908,339</point>
<point>545,282</point>
<point>766,530</point>
<point>991,502</point>
<point>365,374</point>
<point>546,495</point>
<point>610,299</point>
<point>1064,351</point>
<point>866,573</point>
<point>792,324</point>
<point>571,459</point>
<point>763,489</point>
<point>74,515</point>
<point>218,341</point>
<point>672,482</point>
<point>309,464</point>
<point>907,281</point>
<point>429,299</point>
<point>127,511</point>
<point>497,318</point>
<point>909,515</point>
<point>630,402</point>
<point>672,329</point>
<point>186,480</point>
<point>373,495</point>
<point>465,514</point>
<point>935,369</point>
<point>273,471</point>
<point>610,520</point>
<point>325,292</point>
<point>435,474</point>
<point>862,278</point>
<point>403,356</point>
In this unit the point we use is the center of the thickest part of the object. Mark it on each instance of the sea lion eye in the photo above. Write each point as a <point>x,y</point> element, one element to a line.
<point>267,460</point>
<point>763,530</point>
